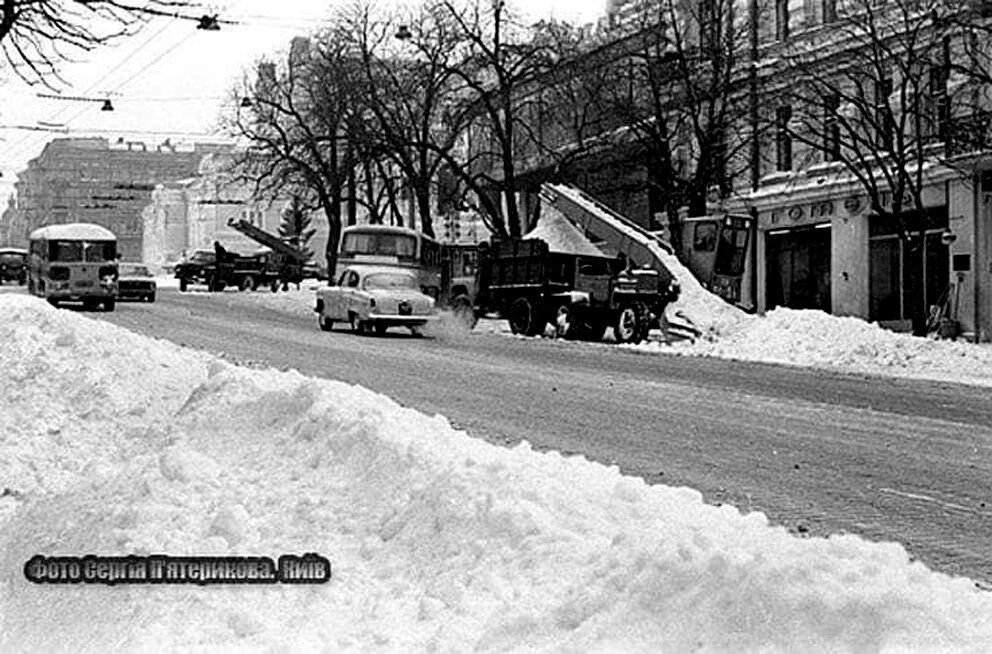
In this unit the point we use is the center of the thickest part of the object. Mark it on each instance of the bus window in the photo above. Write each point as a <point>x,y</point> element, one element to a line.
<point>100,252</point>
<point>65,251</point>
<point>401,245</point>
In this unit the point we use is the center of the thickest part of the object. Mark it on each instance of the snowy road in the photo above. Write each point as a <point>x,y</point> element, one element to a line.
<point>818,452</point>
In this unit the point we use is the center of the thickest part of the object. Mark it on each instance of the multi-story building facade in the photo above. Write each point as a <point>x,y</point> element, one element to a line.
<point>830,235</point>
<point>192,214</point>
<point>91,180</point>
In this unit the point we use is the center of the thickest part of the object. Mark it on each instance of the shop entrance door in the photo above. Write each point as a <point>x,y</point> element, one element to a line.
<point>798,264</point>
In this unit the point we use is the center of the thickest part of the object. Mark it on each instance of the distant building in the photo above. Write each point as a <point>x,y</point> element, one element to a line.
<point>90,180</point>
<point>191,214</point>
<point>12,225</point>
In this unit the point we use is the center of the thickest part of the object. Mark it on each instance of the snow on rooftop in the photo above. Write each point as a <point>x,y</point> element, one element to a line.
<point>113,443</point>
<point>74,231</point>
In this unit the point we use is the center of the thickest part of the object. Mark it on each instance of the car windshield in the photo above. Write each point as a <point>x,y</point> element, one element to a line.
<point>202,257</point>
<point>134,270</point>
<point>387,281</point>
<point>11,258</point>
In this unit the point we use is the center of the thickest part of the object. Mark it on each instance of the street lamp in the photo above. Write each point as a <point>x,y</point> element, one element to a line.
<point>105,103</point>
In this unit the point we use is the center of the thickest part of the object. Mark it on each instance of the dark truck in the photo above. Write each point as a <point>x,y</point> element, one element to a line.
<point>13,265</point>
<point>524,282</point>
<point>220,268</point>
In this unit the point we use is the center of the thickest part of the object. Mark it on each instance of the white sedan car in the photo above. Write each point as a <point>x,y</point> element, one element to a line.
<point>375,299</point>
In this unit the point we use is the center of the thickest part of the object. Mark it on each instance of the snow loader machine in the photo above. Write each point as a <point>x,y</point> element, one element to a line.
<point>556,275</point>
<point>286,264</point>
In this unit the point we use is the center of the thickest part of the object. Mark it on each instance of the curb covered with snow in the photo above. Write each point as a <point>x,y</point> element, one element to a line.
<point>118,444</point>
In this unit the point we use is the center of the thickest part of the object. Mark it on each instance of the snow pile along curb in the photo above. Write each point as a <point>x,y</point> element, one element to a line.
<point>438,541</point>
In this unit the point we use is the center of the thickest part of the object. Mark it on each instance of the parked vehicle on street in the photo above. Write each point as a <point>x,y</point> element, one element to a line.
<point>374,299</point>
<point>13,265</point>
<point>76,262</point>
<point>135,282</point>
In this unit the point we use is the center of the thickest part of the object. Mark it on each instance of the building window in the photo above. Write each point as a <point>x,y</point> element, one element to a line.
<point>884,121</point>
<point>939,113</point>
<point>781,19</point>
<point>892,266</point>
<point>829,11</point>
<point>783,140</point>
<point>831,128</point>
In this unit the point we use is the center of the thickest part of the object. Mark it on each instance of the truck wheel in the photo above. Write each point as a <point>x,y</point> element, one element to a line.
<point>325,324</point>
<point>525,317</point>
<point>247,283</point>
<point>108,305</point>
<point>183,284</point>
<point>627,328</point>
<point>380,328</point>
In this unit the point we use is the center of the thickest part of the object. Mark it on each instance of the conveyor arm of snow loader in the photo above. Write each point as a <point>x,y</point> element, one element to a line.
<point>269,240</point>
<point>620,233</point>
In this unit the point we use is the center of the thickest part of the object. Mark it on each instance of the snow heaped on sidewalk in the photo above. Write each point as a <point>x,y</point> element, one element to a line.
<point>115,444</point>
<point>816,339</point>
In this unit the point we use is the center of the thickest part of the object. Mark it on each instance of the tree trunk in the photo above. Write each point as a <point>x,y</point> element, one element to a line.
<point>424,209</point>
<point>919,311</point>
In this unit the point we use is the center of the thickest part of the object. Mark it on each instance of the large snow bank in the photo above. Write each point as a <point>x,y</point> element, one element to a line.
<point>816,339</point>
<point>117,444</point>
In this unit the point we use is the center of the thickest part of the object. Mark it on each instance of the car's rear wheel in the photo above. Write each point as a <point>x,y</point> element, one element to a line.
<point>108,305</point>
<point>183,284</point>
<point>151,297</point>
<point>325,324</point>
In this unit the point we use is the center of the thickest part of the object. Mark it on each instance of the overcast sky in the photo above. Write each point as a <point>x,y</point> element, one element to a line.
<point>170,79</point>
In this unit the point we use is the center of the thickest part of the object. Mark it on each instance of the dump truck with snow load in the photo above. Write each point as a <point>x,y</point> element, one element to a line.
<point>581,293</point>
<point>717,249</point>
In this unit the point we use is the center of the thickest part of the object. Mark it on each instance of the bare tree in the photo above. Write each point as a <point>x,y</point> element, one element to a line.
<point>296,121</point>
<point>678,95</point>
<point>36,36</point>
<point>405,93</point>
<point>878,113</point>
<point>498,63</point>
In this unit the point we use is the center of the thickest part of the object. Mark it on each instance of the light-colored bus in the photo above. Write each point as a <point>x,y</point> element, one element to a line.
<point>76,262</point>
<point>385,245</point>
